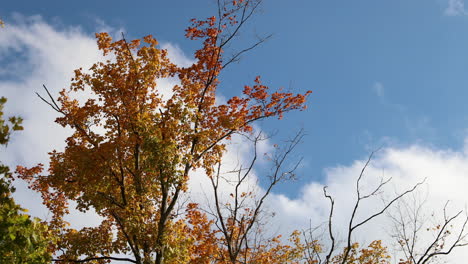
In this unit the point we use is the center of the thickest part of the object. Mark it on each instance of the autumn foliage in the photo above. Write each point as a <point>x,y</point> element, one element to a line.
<point>132,151</point>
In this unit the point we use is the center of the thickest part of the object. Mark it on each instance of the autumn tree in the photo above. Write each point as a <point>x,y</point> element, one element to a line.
<point>22,239</point>
<point>132,151</point>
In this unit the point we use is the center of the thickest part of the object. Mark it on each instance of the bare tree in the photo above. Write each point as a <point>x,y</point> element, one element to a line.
<point>240,218</point>
<point>316,252</point>
<point>409,227</point>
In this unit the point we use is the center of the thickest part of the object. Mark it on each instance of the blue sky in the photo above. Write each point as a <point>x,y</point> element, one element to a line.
<point>383,73</point>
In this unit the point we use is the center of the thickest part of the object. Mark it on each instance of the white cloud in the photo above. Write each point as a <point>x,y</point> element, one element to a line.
<point>41,55</point>
<point>177,55</point>
<point>455,8</point>
<point>447,178</point>
<point>34,53</point>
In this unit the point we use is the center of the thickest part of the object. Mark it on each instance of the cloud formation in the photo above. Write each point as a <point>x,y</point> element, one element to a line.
<point>445,171</point>
<point>35,53</point>
<point>455,8</point>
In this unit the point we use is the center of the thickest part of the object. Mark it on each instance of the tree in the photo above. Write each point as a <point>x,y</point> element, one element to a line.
<point>22,239</point>
<point>317,253</point>
<point>132,151</point>
<point>411,230</point>
<point>239,217</point>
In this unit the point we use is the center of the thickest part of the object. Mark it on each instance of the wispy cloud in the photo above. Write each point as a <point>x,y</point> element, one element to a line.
<point>455,8</point>
<point>379,89</point>
<point>417,127</point>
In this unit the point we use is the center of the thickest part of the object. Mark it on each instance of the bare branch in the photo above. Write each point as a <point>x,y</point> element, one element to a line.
<point>236,220</point>
<point>407,227</point>
<point>237,56</point>
<point>330,231</point>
